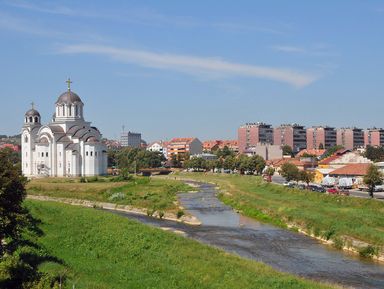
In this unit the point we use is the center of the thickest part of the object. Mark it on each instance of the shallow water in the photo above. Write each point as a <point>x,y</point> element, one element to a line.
<point>282,249</point>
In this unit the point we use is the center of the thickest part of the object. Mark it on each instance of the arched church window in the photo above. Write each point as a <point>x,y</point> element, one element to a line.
<point>26,138</point>
<point>63,110</point>
<point>86,153</point>
<point>76,111</point>
<point>42,154</point>
<point>46,154</point>
<point>26,119</point>
<point>70,110</point>
<point>91,153</point>
<point>36,119</point>
<point>30,119</point>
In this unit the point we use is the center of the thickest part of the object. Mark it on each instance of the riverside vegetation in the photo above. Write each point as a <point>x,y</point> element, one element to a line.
<point>343,220</point>
<point>140,192</point>
<point>96,249</point>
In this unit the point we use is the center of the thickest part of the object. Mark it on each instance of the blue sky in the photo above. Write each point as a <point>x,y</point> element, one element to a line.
<point>194,68</point>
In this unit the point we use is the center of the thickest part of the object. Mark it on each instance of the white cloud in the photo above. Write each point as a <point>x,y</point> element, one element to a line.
<point>200,66</point>
<point>293,49</point>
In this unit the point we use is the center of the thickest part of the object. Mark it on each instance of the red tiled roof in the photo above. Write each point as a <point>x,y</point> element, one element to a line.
<point>280,162</point>
<point>351,170</point>
<point>333,157</point>
<point>186,140</point>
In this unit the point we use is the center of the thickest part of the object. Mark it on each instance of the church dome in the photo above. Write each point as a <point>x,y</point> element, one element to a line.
<point>32,112</point>
<point>68,97</point>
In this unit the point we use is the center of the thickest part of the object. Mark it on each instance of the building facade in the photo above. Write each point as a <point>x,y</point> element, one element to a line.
<point>350,138</point>
<point>130,139</point>
<point>158,146</point>
<point>67,146</point>
<point>321,137</point>
<point>293,135</point>
<point>252,134</point>
<point>182,146</point>
<point>374,137</point>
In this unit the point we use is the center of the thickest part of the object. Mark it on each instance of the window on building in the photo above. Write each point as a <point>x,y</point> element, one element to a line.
<point>30,119</point>
<point>36,119</point>
<point>26,165</point>
<point>42,154</point>
<point>91,153</point>
<point>70,110</point>
<point>46,154</point>
<point>95,154</point>
<point>26,139</point>
<point>86,153</point>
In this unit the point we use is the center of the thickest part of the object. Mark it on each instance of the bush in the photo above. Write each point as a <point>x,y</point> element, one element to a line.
<point>338,243</point>
<point>117,197</point>
<point>180,213</point>
<point>83,180</point>
<point>161,214</point>
<point>150,212</point>
<point>92,179</point>
<point>329,233</point>
<point>368,251</point>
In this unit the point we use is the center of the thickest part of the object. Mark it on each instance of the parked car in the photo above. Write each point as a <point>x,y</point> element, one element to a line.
<point>379,188</point>
<point>317,188</point>
<point>333,191</point>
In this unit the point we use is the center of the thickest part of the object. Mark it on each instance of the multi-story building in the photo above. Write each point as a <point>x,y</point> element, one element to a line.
<point>319,137</point>
<point>183,146</point>
<point>252,134</point>
<point>374,137</point>
<point>350,138</point>
<point>233,145</point>
<point>130,139</point>
<point>293,135</point>
<point>212,145</point>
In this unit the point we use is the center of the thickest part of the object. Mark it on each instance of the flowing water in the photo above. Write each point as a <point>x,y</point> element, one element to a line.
<point>282,249</point>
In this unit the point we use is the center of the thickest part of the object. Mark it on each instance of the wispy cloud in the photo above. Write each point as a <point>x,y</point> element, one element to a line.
<point>293,49</point>
<point>200,66</point>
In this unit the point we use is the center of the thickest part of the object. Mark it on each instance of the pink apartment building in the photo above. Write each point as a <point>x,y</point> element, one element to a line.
<point>350,138</point>
<point>293,135</point>
<point>251,134</point>
<point>321,136</point>
<point>374,137</point>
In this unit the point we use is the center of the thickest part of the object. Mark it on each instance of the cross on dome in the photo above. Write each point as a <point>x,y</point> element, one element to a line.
<point>69,83</point>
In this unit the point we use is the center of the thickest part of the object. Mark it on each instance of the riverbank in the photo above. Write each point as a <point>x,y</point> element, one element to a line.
<point>96,249</point>
<point>156,196</point>
<point>346,223</point>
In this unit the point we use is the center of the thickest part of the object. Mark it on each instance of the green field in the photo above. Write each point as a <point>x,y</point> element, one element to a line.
<point>323,215</point>
<point>140,192</point>
<point>96,249</point>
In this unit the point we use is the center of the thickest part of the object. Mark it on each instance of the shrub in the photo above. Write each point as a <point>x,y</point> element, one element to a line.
<point>117,197</point>
<point>180,213</point>
<point>92,179</point>
<point>329,233</point>
<point>161,214</point>
<point>338,243</point>
<point>150,212</point>
<point>368,251</point>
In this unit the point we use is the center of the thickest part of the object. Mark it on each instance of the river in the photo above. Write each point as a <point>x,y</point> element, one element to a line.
<point>282,249</point>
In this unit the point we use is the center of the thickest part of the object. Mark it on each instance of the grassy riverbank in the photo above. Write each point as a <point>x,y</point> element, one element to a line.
<point>330,217</point>
<point>96,249</point>
<point>140,192</point>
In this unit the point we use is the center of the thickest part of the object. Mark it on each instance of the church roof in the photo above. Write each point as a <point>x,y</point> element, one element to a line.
<point>32,112</point>
<point>68,97</point>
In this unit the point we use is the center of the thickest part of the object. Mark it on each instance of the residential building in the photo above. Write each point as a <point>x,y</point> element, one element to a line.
<point>205,156</point>
<point>374,137</point>
<point>67,146</point>
<point>350,138</point>
<point>266,151</point>
<point>211,145</point>
<point>158,146</point>
<point>252,134</point>
<point>14,147</point>
<point>321,137</point>
<point>318,153</point>
<point>182,146</point>
<point>130,139</point>
<point>293,135</point>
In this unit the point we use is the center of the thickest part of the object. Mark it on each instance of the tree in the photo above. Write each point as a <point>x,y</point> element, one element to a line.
<point>373,178</point>
<point>229,163</point>
<point>225,152</point>
<point>13,217</point>
<point>287,150</point>
<point>134,159</point>
<point>290,172</point>
<point>259,164</point>
<point>270,171</point>
<point>375,154</point>
<point>306,176</point>
<point>331,151</point>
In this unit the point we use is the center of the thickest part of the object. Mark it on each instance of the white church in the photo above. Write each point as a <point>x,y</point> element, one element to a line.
<point>66,147</point>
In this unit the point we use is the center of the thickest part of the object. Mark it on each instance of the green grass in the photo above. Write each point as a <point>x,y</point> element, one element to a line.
<point>324,215</point>
<point>141,192</point>
<point>100,250</point>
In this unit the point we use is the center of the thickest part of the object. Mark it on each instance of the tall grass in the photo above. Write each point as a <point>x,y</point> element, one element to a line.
<point>140,192</point>
<point>102,250</point>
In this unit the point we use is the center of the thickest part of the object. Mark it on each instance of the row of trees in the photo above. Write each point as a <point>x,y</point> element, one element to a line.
<point>291,173</point>
<point>135,159</point>
<point>241,163</point>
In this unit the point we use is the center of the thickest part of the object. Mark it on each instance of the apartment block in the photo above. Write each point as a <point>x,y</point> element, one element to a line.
<point>130,139</point>
<point>350,138</point>
<point>293,135</point>
<point>182,146</point>
<point>321,136</point>
<point>374,137</point>
<point>252,134</point>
